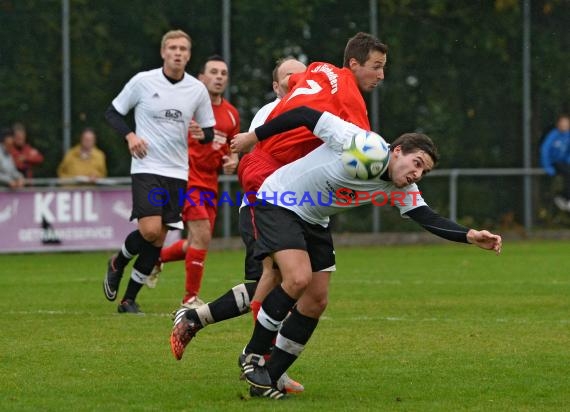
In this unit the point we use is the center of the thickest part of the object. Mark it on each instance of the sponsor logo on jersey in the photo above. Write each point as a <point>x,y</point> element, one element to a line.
<point>173,114</point>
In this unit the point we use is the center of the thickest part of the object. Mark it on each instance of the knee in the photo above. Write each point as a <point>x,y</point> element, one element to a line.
<point>152,235</point>
<point>297,283</point>
<point>201,240</point>
<point>316,307</point>
<point>312,306</point>
<point>320,304</point>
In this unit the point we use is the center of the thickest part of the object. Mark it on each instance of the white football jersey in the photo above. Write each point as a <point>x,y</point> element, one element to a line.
<point>317,185</point>
<point>261,115</point>
<point>162,115</point>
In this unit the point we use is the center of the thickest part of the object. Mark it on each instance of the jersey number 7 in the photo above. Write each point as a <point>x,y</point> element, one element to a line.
<point>313,88</point>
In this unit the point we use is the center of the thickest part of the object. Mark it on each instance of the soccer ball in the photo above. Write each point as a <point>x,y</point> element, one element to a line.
<point>366,155</point>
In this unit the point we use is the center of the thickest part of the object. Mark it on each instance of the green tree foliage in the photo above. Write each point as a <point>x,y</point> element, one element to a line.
<point>454,67</point>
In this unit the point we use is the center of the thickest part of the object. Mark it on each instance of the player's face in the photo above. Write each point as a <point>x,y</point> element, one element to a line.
<point>371,73</point>
<point>405,169</point>
<point>215,77</point>
<point>287,68</point>
<point>176,55</point>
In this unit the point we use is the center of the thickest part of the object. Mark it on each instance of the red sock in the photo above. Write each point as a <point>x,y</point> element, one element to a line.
<point>255,306</point>
<point>268,355</point>
<point>194,271</point>
<point>173,252</point>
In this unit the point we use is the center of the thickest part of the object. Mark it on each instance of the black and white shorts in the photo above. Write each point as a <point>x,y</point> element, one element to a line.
<point>155,195</point>
<point>253,267</point>
<point>280,229</point>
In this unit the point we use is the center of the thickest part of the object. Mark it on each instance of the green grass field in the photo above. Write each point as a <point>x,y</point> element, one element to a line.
<point>413,328</point>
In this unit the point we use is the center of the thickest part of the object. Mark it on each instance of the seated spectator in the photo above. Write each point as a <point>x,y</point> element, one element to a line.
<point>25,156</point>
<point>85,161</point>
<point>9,175</point>
<point>555,158</point>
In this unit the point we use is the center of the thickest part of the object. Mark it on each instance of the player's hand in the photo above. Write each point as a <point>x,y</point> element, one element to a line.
<point>138,147</point>
<point>485,240</point>
<point>243,142</point>
<point>196,131</point>
<point>16,183</point>
<point>229,164</point>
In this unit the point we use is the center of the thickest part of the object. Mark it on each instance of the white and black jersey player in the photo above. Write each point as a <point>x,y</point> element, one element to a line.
<point>164,101</point>
<point>296,234</point>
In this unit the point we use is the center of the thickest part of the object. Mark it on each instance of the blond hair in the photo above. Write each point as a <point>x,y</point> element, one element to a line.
<point>174,34</point>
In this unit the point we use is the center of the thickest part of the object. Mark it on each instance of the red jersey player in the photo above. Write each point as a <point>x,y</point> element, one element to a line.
<point>324,87</point>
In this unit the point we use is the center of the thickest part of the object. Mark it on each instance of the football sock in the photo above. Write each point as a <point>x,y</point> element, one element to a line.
<point>133,289</point>
<point>173,252</point>
<point>147,258</point>
<point>291,340</point>
<point>194,271</point>
<point>273,310</point>
<point>255,308</point>
<point>131,248</point>
<point>233,303</point>
<point>141,269</point>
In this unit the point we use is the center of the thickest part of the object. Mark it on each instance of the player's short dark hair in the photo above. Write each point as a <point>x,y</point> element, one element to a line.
<point>212,58</point>
<point>360,46</point>
<point>413,142</point>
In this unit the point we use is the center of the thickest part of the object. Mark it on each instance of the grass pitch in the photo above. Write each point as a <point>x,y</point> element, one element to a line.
<point>415,328</point>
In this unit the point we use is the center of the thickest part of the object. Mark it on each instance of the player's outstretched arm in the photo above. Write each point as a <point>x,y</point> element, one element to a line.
<point>297,117</point>
<point>450,230</point>
<point>485,240</point>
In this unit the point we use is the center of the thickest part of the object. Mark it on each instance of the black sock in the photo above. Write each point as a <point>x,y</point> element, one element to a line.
<point>273,310</point>
<point>193,315</point>
<point>133,289</point>
<point>133,244</point>
<point>148,256</point>
<point>233,303</point>
<point>291,340</point>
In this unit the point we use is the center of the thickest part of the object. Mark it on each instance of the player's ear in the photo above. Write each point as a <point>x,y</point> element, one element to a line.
<point>276,88</point>
<point>353,63</point>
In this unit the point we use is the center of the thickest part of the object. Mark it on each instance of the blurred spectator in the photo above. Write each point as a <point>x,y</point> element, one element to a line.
<point>84,161</point>
<point>555,158</point>
<point>25,156</point>
<point>9,175</point>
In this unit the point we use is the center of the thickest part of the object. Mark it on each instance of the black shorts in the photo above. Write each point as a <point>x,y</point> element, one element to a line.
<point>279,229</point>
<point>253,267</point>
<point>155,195</point>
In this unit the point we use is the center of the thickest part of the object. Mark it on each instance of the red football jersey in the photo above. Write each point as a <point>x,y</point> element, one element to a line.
<point>323,87</point>
<point>205,160</point>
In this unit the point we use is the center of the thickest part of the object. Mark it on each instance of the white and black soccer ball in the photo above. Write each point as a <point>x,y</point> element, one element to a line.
<point>366,155</point>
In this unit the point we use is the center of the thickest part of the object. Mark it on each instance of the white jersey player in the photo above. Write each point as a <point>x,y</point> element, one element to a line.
<point>296,235</point>
<point>164,101</point>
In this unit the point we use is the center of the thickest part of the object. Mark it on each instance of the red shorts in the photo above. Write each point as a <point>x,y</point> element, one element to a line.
<point>254,167</point>
<point>200,204</point>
